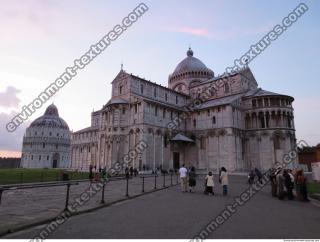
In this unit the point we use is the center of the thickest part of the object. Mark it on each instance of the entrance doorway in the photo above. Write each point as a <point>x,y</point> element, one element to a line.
<point>55,160</point>
<point>176,160</point>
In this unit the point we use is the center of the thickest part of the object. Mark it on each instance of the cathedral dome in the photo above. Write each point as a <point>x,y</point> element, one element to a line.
<point>50,119</point>
<point>190,63</point>
<point>189,70</point>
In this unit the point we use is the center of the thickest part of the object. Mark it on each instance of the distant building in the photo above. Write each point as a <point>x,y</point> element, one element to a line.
<point>239,125</point>
<point>309,155</point>
<point>8,162</point>
<point>46,143</point>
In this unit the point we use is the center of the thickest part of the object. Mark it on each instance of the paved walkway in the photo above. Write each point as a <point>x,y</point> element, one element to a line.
<point>23,207</point>
<point>172,214</point>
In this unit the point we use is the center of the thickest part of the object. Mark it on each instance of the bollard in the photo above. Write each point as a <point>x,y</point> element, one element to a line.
<point>102,196</point>
<point>127,189</point>
<point>0,195</point>
<point>155,182</point>
<point>143,184</point>
<point>164,179</point>
<point>67,198</point>
<point>171,178</point>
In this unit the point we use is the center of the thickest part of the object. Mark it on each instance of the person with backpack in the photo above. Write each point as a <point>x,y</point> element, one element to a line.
<point>209,184</point>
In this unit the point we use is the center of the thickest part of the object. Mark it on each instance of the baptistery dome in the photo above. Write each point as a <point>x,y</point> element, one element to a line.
<point>189,70</point>
<point>46,143</point>
<point>50,119</point>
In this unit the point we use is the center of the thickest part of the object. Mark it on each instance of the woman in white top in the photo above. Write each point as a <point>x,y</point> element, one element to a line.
<point>209,184</point>
<point>224,180</point>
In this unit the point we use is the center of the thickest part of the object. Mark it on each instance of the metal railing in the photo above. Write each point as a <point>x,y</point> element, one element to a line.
<point>68,184</point>
<point>39,185</point>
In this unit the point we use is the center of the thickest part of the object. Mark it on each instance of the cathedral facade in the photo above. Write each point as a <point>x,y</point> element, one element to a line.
<point>199,120</point>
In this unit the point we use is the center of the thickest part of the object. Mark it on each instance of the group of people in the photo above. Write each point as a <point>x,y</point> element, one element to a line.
<point>188,179</point>
<point>97,175</point>
<point>285,181</point>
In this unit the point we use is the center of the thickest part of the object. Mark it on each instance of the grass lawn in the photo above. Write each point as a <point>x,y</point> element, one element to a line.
<point>19,175</point>
<point>313,187</point>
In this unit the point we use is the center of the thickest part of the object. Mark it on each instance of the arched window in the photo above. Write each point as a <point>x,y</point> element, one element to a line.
<point>226,88</point>
<point>194,123</point>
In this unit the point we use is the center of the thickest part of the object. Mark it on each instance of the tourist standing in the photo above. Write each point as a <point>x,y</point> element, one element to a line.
<point>209,184</point>
<point>259,174</point>
<point>183,178</point>
<point>131,171</point>
<point>273,182</point>
<point>192,179</point>
<point>302,183</point>
<point>288,184</point>
<point>224,180</point>
<point>251,177</point>
<point>90,172</point>
<point>280,183</point>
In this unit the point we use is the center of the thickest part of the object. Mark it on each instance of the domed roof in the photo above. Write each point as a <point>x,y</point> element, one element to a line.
<point>50,119</point>
<point>190,63</point>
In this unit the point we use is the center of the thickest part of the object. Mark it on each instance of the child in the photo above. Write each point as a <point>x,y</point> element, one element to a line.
<point>209,184</point>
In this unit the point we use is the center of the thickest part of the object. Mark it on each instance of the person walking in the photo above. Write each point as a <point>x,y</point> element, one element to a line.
<point>183,178</point>
<point>209,184</point>
<point>192,179</point>
<point>224,180</point>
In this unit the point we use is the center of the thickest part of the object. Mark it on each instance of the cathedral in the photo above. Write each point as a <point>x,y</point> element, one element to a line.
<point>199,120</point>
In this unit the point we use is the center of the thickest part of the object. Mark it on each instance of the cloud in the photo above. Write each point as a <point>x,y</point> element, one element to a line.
<point>221,34</point>
<point>9,99</point>
<point>11,142</point>
<point>203,32</point>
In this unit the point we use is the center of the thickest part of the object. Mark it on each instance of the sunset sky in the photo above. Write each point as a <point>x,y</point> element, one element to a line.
<point>40,38</point>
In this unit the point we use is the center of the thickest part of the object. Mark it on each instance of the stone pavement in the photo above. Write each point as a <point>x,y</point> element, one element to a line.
<point>28,206</point>
<point>170,214</point>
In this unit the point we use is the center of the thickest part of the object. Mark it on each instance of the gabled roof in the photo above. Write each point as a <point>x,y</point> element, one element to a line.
<point>181,137</point>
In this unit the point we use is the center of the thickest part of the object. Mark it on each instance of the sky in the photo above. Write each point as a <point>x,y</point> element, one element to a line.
<point>40,38</point>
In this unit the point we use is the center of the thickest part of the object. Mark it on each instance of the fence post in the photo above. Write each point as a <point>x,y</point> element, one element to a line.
<point>143,184</point>
<point>171,178</point>
<point>102,197</point>
<point>164,179</point>
<point>155,181</point>
<point>0,195</point>
<point>67,197</point>
<point>127,187</point>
